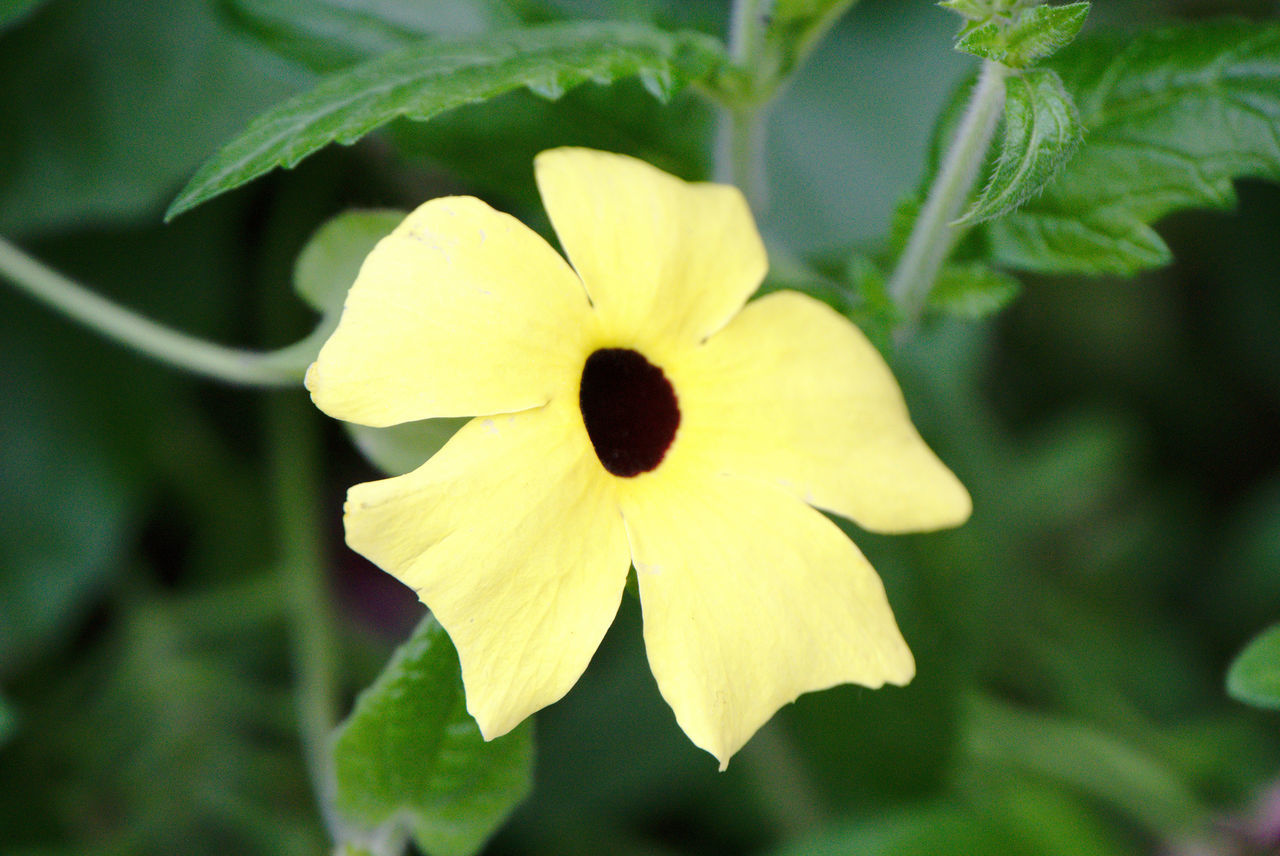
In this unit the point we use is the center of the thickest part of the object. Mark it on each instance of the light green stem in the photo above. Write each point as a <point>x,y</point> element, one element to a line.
<point>284,367</point>
<point>293,440</point>
<point>740,152</point>
<point>934,236</point>
<point>740,132</point>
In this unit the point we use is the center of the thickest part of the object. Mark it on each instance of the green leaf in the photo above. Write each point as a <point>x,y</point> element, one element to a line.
<point>934,829</point>
<point>13,11</point>
<point>64,518</point>
<point>431,77</point>
<point>1254,677</point>
<point>109,105</point>
<point>1080,756</point>
<point>8,721</point>
<point>972,10</point>
<point>972,290</point>
<point>328,264</point>
<point>1041,133</point>
<point>399,449</point>
<point>410,754</point>
<point>489,146</point>
<point>1170,118</point>
<point>1035,34</point>
<point>330,34</point>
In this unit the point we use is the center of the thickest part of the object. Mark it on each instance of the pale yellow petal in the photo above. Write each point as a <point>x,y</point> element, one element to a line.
<point>664,260</point>
<point>750,598</point>
<point>460,311</point>
<point>511,534</point>
<point>792,393</point>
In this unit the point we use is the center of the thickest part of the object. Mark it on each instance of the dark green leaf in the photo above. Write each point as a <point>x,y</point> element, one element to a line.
<point>1036,33</point>
<point>64,518</point>
<point>490,146</point>
<point>875,313</point>
<point>1041,133</point>
<point>972,290</point>
<point>330,34</point>
<point>8,721</point>
<point>411,754</point>
<point>431,77</point>
<point>1170,118</point>
<point>13,11</point>
<point>1254,677</point>
<point>328,264</point>
<point>108,105</point>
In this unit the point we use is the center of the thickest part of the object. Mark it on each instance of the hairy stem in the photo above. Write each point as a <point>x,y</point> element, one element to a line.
<point>933,236</point>
<point>284,367</point>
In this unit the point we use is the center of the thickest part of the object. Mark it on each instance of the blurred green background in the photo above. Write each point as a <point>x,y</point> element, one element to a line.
<point>1121,440</point>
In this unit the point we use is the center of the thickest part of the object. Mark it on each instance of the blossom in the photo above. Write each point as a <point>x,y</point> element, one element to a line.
<point>629,410</point>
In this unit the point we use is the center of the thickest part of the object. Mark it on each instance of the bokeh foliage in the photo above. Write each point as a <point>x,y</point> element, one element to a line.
<point>1119,438</point>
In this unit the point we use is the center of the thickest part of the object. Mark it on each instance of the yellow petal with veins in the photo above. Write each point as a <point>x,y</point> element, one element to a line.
<point>511,534</point>
<point>460,311</point>
<point>750,598</point>
<point>666,262</point>
<point>793,394</point>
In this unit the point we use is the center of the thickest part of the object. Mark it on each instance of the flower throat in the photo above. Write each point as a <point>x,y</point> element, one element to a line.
<point>630,410</point>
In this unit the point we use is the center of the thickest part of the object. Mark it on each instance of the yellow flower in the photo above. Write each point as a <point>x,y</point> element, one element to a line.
<point>629,409</point>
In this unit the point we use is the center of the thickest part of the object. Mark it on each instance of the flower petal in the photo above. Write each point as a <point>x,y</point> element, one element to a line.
<point>512,536</point>
<point>460,311</point>
<point>661,257</point>
<point>792,393</point>
<point>750,598</point>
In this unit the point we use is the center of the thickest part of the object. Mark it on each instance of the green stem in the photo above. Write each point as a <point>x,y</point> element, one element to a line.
<point>934,235</point>
<point>293,439</point>
<point>787,795</point>
<point>740,152</point>
<point>740,132</point>
<point>284,367</point>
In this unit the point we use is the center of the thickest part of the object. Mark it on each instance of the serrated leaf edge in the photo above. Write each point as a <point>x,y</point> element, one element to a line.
<point>989,206</point>
<point>215,177</point>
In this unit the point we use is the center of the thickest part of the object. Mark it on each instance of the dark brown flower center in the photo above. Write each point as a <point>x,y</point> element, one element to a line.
<point>630,410</point>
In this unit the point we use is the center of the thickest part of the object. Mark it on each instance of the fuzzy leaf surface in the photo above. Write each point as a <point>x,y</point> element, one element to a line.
<point>430,77</point>
<point>972,290</point>
<point>1170,119</point>
<point>1039,32</point>
<point>410,754</point>
<point>1041,133</point>
<point>1254,677</point>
